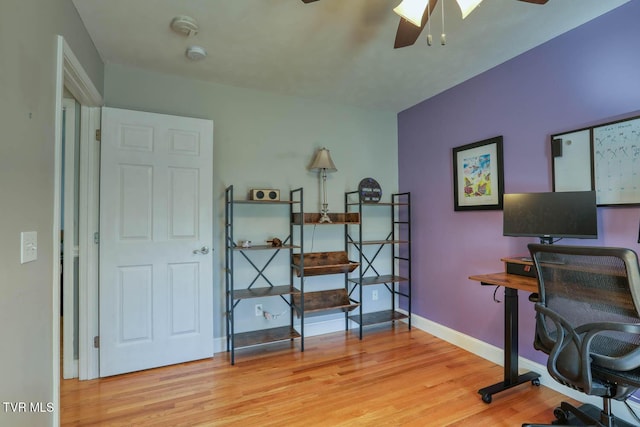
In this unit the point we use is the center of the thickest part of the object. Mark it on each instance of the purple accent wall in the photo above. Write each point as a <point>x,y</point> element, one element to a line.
<point>587,76</point>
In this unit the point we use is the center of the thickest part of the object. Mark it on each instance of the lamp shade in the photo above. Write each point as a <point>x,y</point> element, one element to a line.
<point>467,6</point>
<point>412,10</point>
<point>323,161</point>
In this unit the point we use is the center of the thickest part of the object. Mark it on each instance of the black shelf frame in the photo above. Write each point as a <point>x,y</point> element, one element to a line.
<point>233,295</point>
<point>297,195</point>
<point>399,239</point>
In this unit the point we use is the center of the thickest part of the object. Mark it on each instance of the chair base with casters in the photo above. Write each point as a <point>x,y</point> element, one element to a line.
<point>590,415</point>
<point>586,415</point>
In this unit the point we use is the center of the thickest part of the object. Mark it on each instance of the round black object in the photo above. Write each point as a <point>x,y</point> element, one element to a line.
<point>370,191</point>
<point>273,195</point>
<point>260,194</point>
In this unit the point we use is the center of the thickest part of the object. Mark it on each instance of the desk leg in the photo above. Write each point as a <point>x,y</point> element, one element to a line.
<point>511,377</point>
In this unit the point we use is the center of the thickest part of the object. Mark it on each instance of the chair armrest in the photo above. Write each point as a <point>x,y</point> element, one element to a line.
<point>625,362</point>
<point>566,346</point>
<point>577,344</point>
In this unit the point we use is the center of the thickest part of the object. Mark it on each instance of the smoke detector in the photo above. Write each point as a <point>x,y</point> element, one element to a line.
<point>196,53</point>
<point>185,25</point>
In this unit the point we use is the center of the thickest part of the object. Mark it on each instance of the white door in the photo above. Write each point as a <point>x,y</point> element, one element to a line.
<point>156,290</point>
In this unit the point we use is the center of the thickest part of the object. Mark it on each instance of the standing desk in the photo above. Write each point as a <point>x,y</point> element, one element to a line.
<point>511,283</point>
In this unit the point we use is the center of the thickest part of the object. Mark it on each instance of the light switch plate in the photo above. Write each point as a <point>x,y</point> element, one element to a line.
<point>28,246</point>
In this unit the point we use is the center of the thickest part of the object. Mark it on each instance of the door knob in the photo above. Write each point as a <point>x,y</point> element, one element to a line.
<point>202,251</point>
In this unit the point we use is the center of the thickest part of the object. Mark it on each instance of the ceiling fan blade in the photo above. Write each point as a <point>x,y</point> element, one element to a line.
<point>535,1</point>
<point>408,33</point>
<point>308,1</point>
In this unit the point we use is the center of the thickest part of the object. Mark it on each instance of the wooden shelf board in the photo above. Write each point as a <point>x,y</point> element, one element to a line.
<point>265,202</point>
<point>328,309</point>
<point>376,280</point>
<point>336,218</point>
<point>263,336</point>
<point>378,317</point>
<point>322,263</point>
<point>377,204</point>
<point>333,300</point>
<point>264,247</point>
<point>328,269</point>
<point>265,291</point>
<point>379,242</point>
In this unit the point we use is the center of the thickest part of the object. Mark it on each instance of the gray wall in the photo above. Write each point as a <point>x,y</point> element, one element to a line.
<point>262,140</point>
<point>28,30</point>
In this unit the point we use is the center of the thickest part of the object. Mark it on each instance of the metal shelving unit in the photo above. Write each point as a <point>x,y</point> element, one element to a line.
<point>308,304</point>
<point>304,304</point>
<point>397,278</point>
<point>261,286</point>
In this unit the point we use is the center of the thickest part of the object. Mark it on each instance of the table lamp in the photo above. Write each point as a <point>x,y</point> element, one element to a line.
<point>323,163</point>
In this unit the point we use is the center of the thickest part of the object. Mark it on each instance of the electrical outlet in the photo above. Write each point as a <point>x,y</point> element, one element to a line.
<point>374,295</point>
<point>258,308</point>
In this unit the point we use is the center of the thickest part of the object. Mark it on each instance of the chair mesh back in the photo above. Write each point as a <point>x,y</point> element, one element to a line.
<point>586,288</point>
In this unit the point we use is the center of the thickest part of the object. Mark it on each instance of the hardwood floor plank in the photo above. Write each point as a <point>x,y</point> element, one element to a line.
<point>392,377</point>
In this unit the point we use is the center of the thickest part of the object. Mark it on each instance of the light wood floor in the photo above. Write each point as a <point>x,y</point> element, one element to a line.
<point>393,377</point>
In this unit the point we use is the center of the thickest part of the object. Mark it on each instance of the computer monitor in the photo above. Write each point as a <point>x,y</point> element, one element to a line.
<point>552,215</point>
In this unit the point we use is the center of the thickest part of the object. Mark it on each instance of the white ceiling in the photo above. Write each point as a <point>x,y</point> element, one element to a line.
<point>332,50</point>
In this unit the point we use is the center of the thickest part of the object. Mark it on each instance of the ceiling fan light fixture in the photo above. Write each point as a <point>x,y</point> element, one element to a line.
<point>467,6</point>
<point>412,10</point>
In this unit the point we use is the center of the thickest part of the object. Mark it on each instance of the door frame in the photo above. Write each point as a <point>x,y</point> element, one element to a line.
<point>69,73</point>
<point>88,247</point>
<point>69,248</point>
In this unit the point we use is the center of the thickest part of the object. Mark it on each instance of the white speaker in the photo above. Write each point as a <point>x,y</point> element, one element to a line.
<point>264,194</point>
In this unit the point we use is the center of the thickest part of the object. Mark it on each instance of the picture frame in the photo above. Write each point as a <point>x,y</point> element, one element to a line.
<point>478,175</point>
<point>616,162</point>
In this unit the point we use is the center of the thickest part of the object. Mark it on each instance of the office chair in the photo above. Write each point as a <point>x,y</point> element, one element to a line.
<point>587,321</point>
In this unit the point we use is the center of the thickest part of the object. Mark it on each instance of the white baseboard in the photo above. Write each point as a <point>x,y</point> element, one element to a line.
<point>495,355</point>
<point>219,344</point>
<point>312,329</point>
